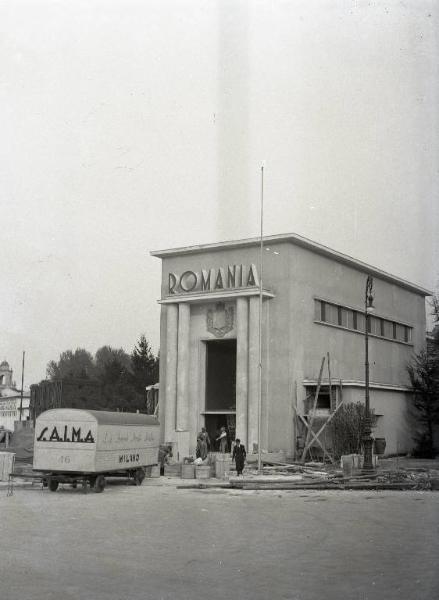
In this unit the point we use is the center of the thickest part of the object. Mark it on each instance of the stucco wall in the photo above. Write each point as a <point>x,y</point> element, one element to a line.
<point>394,419</point>
<point>294,344</point>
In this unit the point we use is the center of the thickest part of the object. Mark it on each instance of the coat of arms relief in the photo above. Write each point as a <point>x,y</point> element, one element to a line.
<point>220,320</point>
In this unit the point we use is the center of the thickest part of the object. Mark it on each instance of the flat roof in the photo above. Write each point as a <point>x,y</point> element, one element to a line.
<point>298,240</point>
<point>103,417</point>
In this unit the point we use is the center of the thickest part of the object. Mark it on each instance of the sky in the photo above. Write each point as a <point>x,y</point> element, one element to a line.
<point>130,126</point>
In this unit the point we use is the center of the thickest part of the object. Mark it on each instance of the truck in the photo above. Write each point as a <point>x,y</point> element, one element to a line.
<point>86,446</point>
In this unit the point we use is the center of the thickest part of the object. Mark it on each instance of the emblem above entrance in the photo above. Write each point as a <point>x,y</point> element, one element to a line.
<point>220,320</point>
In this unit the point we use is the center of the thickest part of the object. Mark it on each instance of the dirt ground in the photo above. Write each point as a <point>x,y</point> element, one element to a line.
<point>160,543</point>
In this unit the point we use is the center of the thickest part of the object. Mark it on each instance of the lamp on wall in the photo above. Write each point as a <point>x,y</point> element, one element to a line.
<point>367,434</point>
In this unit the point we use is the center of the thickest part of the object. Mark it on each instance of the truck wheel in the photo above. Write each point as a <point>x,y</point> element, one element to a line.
<point>53,485</point>
<point>99,484</point>
<point>139,476</point>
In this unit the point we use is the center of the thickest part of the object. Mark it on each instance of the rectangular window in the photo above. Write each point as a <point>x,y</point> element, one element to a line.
<point>343,316</point>
<point>331,314</point>
<point>360,321</point>
<point>323,401</point>
<point>388,329</point>
<point>318,310</point>
<point>350,318</point>
<point>400,332</point>
<point>355,319</point>
<point>374,325</point>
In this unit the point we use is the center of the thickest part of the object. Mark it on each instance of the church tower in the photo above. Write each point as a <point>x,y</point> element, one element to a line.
<point>5,375</point>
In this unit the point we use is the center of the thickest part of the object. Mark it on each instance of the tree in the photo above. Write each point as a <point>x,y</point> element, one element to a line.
<point>110,362</point>
<point>123,377</point>
<point>145,366</point>
<point>78,365</point>
<point>113,369</point>
<point>347,428</point>
<point>424,376</point>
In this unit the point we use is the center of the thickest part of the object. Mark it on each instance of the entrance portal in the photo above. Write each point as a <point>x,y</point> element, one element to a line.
<point>220,407</point>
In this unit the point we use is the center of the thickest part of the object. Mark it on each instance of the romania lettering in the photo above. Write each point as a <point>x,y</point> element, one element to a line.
<point>211,280</point>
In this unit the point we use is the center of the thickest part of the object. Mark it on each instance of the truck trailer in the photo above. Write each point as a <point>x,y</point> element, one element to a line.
<point>84,446</point>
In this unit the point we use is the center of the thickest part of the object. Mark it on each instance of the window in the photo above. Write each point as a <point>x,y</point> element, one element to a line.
<point>400,332</point>
<point>318,310</point>
<point>331,314</point>
<point>387,329</point>
<point>323,401</point>
<point>374,326</point>
<point>341,316</point>
<point>360,322</point>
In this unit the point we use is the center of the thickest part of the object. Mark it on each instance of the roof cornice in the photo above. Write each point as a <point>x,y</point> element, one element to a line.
<point>297,240</point>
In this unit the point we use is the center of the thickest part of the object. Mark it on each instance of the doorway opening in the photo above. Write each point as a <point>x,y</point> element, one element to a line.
<point>220,405</point>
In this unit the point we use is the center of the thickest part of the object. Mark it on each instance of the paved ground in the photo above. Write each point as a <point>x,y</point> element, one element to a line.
<point>156,542</point>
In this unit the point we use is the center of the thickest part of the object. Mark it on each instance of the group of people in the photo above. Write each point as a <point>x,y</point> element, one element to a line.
<point>204,444</point>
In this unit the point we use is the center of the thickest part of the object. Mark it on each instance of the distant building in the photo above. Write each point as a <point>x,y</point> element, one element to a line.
<point>313,303</point>
<point>10,399</point>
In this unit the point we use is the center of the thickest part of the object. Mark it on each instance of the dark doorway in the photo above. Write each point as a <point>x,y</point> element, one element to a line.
<point>220,389</point>
<point>221,375</point>
<point>213,424</point>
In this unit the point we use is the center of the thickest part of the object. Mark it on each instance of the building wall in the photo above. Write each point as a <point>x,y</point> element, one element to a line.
<point>316,276</point>
<point>294,344</point>
<point>394,420</point>
<point>10,411</point>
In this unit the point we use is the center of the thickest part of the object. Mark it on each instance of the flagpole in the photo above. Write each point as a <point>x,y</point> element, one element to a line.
<point>261,252</point>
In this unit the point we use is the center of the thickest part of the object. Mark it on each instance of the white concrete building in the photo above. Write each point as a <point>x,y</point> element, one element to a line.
<point>10,399</point>
<point>313,303</point>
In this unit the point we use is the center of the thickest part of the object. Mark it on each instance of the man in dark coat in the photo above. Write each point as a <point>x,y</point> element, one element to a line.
<point>238,456</point>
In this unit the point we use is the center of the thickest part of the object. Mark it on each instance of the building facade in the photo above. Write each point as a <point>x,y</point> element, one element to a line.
<point>312,307</point>
<point>11,399</point>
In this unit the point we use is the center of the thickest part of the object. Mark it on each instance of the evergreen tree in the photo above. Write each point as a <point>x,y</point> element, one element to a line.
<point>424,377</point>
<point>145,366</point>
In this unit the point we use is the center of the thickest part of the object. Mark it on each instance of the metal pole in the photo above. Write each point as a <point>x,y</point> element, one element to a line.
<point>22,383</point>
<point>367,438</point>
<point>261,252</point>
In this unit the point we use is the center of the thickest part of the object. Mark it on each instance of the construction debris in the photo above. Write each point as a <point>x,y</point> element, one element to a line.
<point>311,476</point>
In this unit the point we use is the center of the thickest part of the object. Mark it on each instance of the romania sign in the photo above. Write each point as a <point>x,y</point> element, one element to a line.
<point>212,280</point>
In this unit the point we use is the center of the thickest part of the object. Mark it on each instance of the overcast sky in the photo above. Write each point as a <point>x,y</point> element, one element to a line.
<point>128,126</point>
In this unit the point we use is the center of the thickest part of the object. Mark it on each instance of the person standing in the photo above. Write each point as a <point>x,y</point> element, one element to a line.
<point>201,451</point>
<point>205,435</point>
<point>222,439</point>
<point>238,456</point>
<point>165,454</point>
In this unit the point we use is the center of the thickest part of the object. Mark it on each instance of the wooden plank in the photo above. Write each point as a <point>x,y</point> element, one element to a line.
<point>319,383</point>
<point>315,438</point>
<point>331,416</point>
<point>331,404</point>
